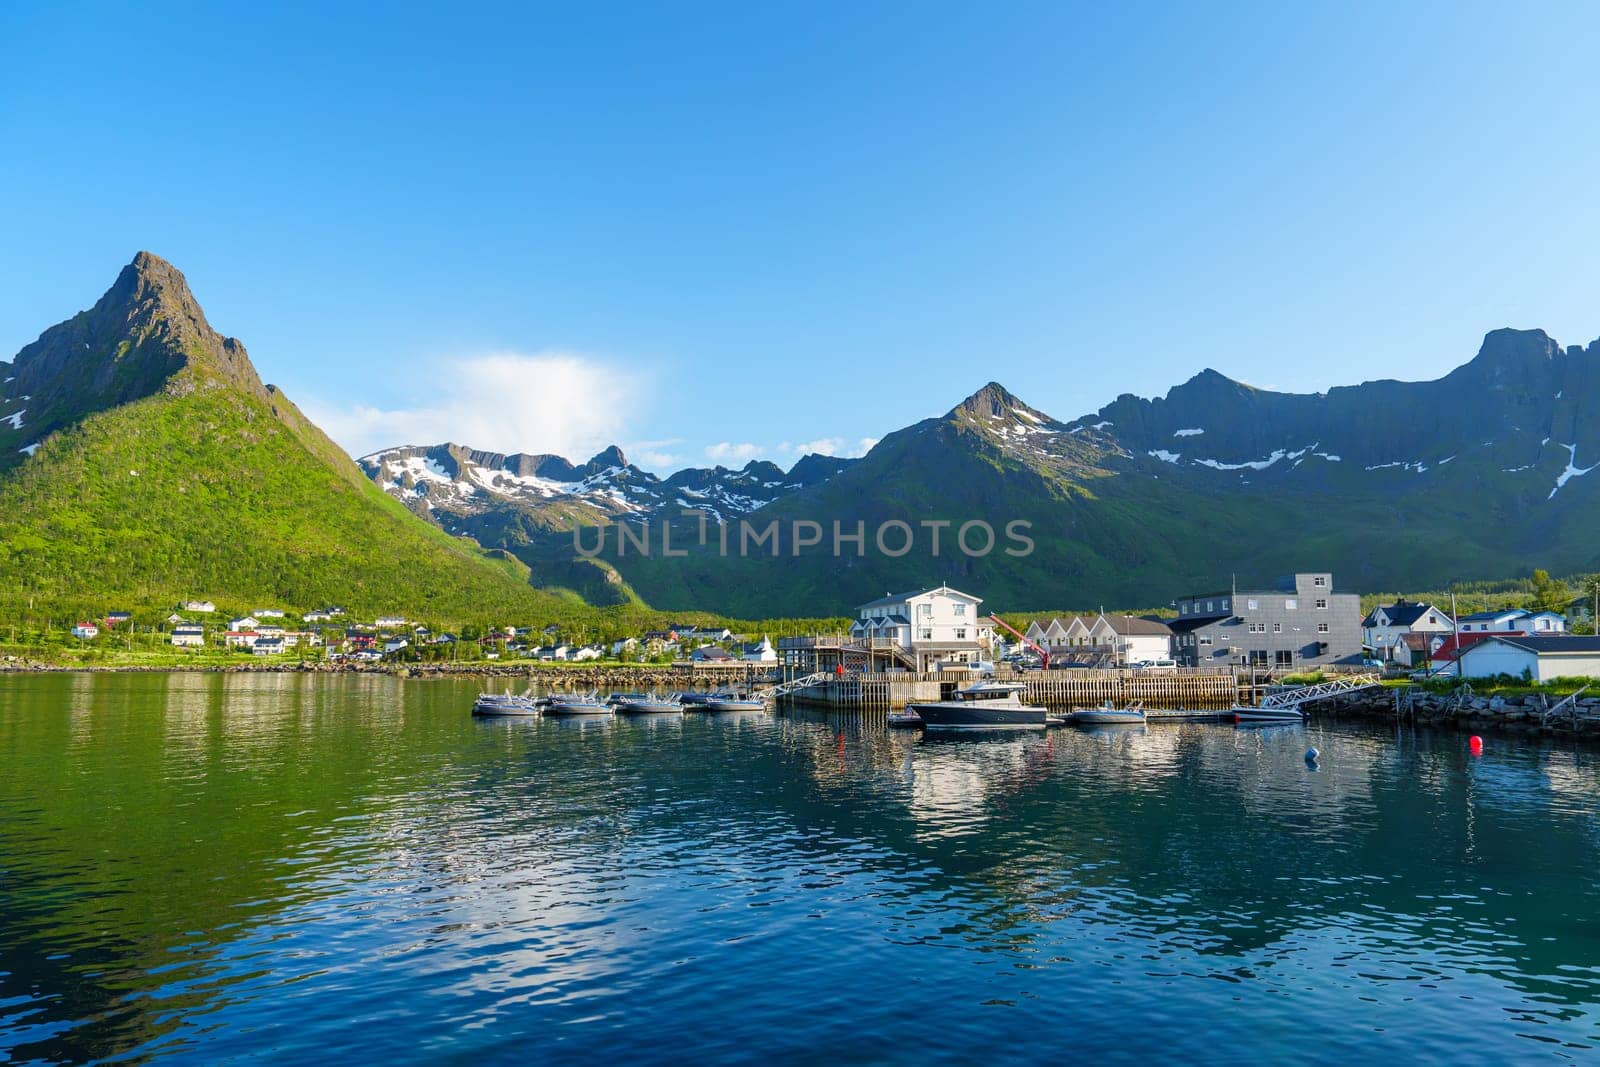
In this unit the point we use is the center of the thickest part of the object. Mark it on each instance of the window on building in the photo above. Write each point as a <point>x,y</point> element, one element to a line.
<point>1252,603</point>
<point>1290,604</point>
<point>1319,580</point>
<point>961,633</point>
<point>1227,605</point>
<point>1277,627</point>
<point>1322,605</point>
<point>960,609</point>
<point>1322,627</point>
<point>1205,640</point>
<point>925,611</point>
<point>1283,658</point>
<point>925,634</point>
<point>1258,627</point>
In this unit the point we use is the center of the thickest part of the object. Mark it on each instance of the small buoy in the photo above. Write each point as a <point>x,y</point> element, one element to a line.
<point>1475,745</point>
<point>1312,754</point>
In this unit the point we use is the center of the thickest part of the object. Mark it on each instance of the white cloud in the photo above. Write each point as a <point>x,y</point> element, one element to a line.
<point>829,446</point>
<point>726,452</point>
<point>557,402</point>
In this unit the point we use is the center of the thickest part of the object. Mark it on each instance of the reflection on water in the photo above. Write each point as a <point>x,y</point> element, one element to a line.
<point>206,867</point>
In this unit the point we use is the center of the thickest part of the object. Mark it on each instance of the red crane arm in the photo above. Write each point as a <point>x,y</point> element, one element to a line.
<point>1043,655</point>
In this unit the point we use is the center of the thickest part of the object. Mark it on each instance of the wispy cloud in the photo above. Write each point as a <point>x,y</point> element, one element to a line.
<point>559,402</point>
<point>727,452</point>
<point>830,446</point>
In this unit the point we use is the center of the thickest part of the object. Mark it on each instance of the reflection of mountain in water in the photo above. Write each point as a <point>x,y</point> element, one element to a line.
<point>157,828</point>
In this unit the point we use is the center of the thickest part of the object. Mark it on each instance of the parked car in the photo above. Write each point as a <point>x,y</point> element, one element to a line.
<point>1374,664</point>
<point>1162,665</point>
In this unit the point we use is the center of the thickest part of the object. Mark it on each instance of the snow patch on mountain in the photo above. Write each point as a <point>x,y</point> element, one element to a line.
<point>1572,471</point>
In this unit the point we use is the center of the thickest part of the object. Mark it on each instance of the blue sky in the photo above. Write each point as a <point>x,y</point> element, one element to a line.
<point>715,231</point>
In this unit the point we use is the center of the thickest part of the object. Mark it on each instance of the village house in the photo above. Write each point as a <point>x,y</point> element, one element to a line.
<point>1301,622</point>
<point>188,636</point>
<point>267,646</point>
<point>240,638</point>
<point>1514,620</point>
<point>117,618</point>
<point>203,607</point>
<point>1059,637</point>
<point>359,640</point>
<point>1383,629</point>
<point>627,644</point>
<point>317,616</point>
<point>553,653</point>
<point>588,652</point>
<point>248,622</point>
<point>389,620</point>
<point>267,613</point>
<point>1540,658</point>
<point>88,631</point>
<point>395,644</point>
<point>175,619</point>
<point>711,654</point>
<point>926,628</point>
<point>759,652</point>
<point>1415,650</point>
<point>1128,639</point>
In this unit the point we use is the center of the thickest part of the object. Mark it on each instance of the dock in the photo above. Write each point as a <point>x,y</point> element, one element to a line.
<point>1196,695</point>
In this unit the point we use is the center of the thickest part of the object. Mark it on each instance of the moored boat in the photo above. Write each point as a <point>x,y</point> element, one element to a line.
<point>1243,715</point>
<point>644,704</point>
<point>735,704</point>
<point>1108,715</point>
<point>577,704</point>
<point>502,705</point>
<point>985,706</point>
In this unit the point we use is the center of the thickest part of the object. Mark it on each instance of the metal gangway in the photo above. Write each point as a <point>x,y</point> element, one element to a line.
<point>792,685</point>
<point>1293,698</point>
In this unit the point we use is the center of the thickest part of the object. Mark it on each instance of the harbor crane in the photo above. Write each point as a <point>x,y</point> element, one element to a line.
<point>1044,657</point>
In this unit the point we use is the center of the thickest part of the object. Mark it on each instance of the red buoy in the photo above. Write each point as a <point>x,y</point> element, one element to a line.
<point>1475,745</point>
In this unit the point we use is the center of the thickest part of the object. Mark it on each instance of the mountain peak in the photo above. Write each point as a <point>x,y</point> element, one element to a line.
<point>146,335</point>
<point>609,457</point>
<point>992,401</point>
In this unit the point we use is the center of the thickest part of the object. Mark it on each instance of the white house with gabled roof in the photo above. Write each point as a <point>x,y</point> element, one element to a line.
<point>931,626</point>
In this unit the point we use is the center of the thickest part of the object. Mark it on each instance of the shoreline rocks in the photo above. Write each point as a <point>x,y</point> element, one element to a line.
<point>1523,714</point>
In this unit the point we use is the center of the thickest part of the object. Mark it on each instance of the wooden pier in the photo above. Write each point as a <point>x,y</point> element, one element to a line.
<point>1196,690</point>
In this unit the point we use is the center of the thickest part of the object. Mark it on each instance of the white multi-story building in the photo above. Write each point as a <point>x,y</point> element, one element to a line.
<point>929,627</point>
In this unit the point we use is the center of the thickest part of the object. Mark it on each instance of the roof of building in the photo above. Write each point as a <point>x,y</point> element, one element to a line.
<point>1490,616</point>
<point>1402,613</point>
<point>1130,625</point>
<point>886,601</point>
<point>1191,623</point>
<point>711,652</point>
<point>1544,644</point>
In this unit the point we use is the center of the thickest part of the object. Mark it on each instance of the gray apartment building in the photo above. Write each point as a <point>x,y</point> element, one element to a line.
<point>1301,622</point>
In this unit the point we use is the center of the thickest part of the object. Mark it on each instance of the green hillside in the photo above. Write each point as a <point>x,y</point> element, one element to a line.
<point>197,481</point>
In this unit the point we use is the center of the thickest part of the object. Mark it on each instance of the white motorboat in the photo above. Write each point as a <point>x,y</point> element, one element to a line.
<point>644,704</point>
<point>1108,715</point>
<point>503,705</point>
<point>577,704</point>
<point>1243,715</point>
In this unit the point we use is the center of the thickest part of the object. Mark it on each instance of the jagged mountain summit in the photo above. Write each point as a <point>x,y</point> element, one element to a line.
<point>1397,485</point>
<point>453,484</point>
<point>142,461</point>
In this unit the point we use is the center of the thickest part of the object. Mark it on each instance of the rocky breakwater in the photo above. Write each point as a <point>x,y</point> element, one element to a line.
<point>1525,713</point>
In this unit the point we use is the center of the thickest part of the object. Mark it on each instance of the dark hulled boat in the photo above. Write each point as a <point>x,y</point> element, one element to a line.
<point>985,706</point>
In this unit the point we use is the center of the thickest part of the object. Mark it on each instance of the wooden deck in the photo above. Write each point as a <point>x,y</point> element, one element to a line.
<point>1192,689</point>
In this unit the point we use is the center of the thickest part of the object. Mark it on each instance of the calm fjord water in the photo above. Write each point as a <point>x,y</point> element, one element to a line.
<point>204,868</point>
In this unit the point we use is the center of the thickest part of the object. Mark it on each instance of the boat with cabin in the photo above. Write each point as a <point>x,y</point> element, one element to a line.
<point>984,706</point>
